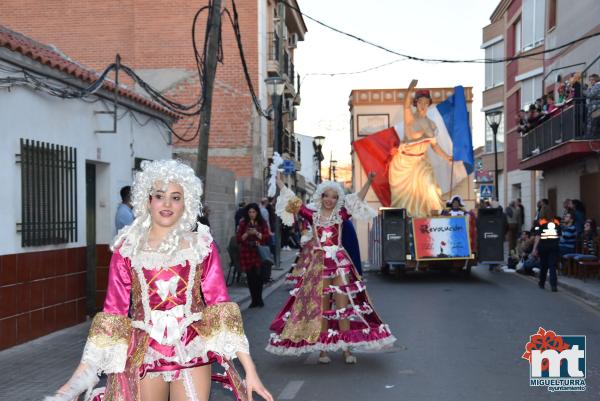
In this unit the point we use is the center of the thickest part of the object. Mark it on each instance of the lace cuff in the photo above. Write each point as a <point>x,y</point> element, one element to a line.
<point>223,330</point>
<point>107,343</point>
<point>359,208</point>
<point>287,206</point>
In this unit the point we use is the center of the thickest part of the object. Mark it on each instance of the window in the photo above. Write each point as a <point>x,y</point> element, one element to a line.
<point>494,72</point>
<point>517,44</point>
<point>489,136</point>
<point>551,14</point>
<point>49,193</point>
<point>532,27</point>
<point>531,89</point>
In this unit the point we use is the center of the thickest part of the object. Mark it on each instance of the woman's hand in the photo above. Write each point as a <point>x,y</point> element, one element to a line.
<point>449,158</point>
<point>253,384</point>
<point>371,175</point>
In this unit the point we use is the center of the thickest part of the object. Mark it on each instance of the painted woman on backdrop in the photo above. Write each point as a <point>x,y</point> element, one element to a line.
<point>167,315</point>
<point>413,185</point>
<point>329,309</point>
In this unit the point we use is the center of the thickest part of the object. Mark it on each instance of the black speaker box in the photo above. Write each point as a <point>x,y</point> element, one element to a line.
<point>490,235</point>
<point>393,235</point>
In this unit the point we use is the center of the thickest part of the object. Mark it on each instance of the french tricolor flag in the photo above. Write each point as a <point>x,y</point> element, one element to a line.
<point>453,135</point>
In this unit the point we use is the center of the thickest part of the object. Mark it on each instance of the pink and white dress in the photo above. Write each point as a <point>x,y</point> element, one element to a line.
<point>164,313</point>
<point>298,326</point>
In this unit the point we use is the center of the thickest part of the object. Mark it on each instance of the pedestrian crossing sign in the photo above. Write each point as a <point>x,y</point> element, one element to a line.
<point>486,191</point>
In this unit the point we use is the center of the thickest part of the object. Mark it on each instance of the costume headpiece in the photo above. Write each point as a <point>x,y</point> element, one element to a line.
<point>161,172</point>
<point>324,186</point>
<point>455,198</point>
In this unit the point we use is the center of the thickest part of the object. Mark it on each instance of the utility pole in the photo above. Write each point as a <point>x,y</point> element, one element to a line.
<point>212,50</point>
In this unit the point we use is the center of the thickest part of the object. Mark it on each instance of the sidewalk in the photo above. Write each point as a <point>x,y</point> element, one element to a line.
<point>35,369</point>
<point>239,292</point>
<point>588,291</point>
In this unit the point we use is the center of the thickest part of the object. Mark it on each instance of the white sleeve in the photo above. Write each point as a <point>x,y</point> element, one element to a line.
<point>359,208</point>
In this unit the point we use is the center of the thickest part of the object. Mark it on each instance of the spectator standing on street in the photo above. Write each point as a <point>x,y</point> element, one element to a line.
<point>252,232</point>
<point>543,210</point>
<point>239,213</point>
<point>512,218</point>
<point>547,234</point>
<point>124,216</point>
<point>521,214</point>
<point>264,212</point>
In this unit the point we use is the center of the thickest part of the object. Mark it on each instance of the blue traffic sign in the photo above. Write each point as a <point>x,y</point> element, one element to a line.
<point>288,167</point>
<point>486,191</point>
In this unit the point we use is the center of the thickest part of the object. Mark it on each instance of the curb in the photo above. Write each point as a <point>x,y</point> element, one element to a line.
<point>587,297</point>
<point>244,302</point>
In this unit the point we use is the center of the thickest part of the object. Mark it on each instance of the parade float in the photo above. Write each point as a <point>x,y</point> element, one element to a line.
<point>421,163</point>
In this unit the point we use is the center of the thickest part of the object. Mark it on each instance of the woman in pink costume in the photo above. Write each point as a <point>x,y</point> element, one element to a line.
<point>329,308</point>
<point>160,345</point>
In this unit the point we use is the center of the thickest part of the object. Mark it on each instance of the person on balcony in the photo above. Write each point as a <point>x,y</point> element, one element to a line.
<point>593,105</point>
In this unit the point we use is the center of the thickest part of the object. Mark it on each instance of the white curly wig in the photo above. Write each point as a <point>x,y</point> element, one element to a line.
<point>316,202</point>
<point>161,172</point>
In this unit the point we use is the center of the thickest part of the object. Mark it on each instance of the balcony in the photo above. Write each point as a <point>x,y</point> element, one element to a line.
<point>289,72</point>
<point>559,140</point>
<point>273,61</point>
<point>291,147</point>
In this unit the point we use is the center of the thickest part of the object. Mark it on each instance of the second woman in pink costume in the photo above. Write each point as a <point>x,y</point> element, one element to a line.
<point>329,308</point>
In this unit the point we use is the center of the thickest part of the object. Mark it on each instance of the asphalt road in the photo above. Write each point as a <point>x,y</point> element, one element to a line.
<point>458,339</point>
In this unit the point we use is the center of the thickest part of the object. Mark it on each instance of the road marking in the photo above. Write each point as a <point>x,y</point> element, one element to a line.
<point>290,390</point>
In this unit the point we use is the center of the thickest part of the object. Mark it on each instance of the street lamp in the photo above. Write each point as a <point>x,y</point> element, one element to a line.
<point>318,147</point>
<point>332,164</point>
<point>493,119</point>
<point>275,87</point>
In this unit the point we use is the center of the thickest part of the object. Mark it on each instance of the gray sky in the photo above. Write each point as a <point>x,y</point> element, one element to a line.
<point>448,29</point>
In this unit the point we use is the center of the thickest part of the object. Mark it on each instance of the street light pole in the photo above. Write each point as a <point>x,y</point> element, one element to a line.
<point>318,146</point>
<point>493,120</point>
<point>275,87</point>
<point>333,165</point>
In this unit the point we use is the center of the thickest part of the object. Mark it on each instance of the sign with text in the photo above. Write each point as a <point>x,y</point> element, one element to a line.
<point>440,238</point>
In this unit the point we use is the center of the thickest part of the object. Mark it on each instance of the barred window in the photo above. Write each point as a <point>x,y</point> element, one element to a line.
<point>48,193</point>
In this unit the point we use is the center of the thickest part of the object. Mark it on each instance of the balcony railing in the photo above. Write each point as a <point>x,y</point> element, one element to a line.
<point>291,146</point>
<point>569,125</point>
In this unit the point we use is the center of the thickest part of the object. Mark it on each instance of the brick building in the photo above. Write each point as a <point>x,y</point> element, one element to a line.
<point>154,38</point>
<point>556,159</point>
